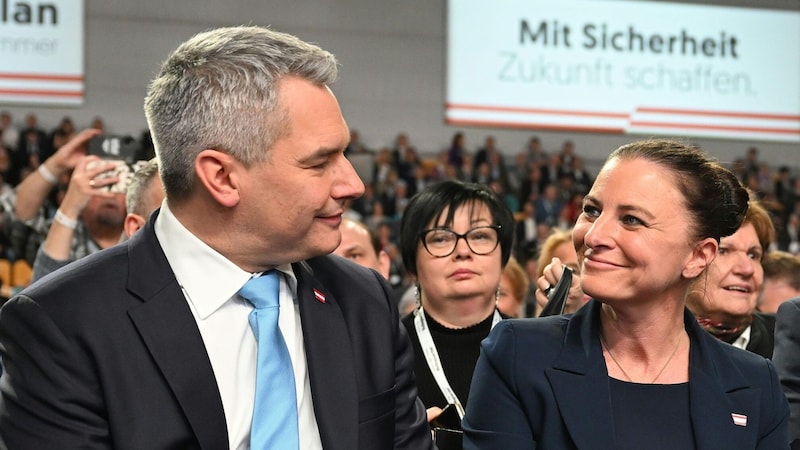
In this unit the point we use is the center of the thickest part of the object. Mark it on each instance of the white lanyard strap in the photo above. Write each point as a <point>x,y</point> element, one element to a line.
<point>432,357</point>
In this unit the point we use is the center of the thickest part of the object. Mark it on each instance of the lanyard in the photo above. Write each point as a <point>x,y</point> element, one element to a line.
<point>432,357</point>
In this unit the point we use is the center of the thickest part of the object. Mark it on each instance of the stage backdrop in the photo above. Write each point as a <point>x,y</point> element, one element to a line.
<point>41,52</point>
<point>620,66</point>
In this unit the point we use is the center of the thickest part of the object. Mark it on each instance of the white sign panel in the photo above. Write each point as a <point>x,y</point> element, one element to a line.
<point>617,66</point>
<point>41,52</point>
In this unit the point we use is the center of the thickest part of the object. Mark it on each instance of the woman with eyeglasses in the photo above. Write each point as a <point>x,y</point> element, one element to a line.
<point>455,238</point>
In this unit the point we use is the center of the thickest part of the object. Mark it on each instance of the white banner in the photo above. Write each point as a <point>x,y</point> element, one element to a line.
<point>41,52</point>
<point>620,66</point>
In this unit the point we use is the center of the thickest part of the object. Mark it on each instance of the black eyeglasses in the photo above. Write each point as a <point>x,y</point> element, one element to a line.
<point>441,242</point>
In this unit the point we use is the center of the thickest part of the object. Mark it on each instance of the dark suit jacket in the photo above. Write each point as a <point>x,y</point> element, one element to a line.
<point>787,361</point>
<point>762,334</point>
<point>543,383</point>
<point>105,353</point>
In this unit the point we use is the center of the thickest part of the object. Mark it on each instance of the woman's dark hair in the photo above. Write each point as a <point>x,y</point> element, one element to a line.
<point>715,198</point>
<point>427,206</point>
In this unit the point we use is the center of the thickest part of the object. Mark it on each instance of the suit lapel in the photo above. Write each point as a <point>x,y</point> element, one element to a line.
<point>330,362</point>
<point>170,333</point>
<point>717,389</point>
<point>580,383</point>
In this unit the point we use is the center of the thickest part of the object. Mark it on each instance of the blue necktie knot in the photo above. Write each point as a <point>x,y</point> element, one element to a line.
<point>262,292</point>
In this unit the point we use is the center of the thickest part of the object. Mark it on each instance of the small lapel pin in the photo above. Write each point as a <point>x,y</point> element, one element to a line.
<point>318,295</point>
<point>739,419</point>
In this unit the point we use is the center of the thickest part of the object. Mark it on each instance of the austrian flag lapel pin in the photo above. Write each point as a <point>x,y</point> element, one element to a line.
<point>319,296</point>
<point>739,419</point>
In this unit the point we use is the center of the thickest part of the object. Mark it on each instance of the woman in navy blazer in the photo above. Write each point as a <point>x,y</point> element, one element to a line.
<point>632,369</point>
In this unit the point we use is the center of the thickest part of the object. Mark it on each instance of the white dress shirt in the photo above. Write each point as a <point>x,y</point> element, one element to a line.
<point>210,283</point>
<point>743,339</point>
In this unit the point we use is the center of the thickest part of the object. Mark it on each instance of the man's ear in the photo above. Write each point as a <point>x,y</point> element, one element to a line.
<point>217,173</point>
<point>703,254</point>
<point>133,222</point>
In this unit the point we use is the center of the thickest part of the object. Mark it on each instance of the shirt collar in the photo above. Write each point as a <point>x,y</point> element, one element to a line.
<point>207,278</point>
<point>743,339</point>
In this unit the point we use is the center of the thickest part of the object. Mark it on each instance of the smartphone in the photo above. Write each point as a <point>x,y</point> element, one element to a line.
<point>114,147</point>
<point>557,297</point>
<point>448,419</point>
<point>447,434</point>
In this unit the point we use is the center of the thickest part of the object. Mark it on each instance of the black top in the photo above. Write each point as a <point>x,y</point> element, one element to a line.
<point>458,351</point>
<point>652,416</point>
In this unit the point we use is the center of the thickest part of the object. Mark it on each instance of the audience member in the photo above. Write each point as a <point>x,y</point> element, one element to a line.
<point>789,237</point>
<point>457,150</point>
<point>548,206</point>
<point>355,145</point>
<point>144,194</point>
<point>535,155</point>
<point>556,253</point>
<point>526,225</point>
<point>169,304</point>
<point>455,239</point>
<point>724,299</point>
<point>781,280</point>
<point>582,179</point>
<point>786,358</point>
<point>36,198</point>
<point>31,147</point>
<point>619,372</point>
<point>533,185</point>
<point>513,289</point>
<point>89,218</point>
<point>9,131</point>
<point>360,245</point>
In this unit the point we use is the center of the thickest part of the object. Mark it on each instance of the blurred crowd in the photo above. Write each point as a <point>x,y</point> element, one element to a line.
<point>544,187</point>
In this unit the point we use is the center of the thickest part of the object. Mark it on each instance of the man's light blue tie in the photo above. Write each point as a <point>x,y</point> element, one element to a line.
<point>275,409</point>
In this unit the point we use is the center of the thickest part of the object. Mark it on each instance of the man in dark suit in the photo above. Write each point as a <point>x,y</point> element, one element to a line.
<point>787,362</point>
<point>147,345</point>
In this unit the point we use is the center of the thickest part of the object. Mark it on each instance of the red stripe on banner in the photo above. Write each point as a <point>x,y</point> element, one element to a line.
<point>33,76</point>
<point>44,93</point>
<point>696,112</point>
<point>528,125</point>
<point>716,127</point>
<point>563,112</point>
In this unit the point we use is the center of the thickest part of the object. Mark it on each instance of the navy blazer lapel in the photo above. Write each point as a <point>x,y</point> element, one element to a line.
<point>330,363</point>
<point>579,380</point>
<point>716,385</point>
<point>170,333</point>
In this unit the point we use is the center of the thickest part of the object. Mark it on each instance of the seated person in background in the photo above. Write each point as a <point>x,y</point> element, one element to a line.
<point>557,252</point>
<point>781,280</point>
<point>786,358</point>
<point>724,300</point>
<point>455,238</point>
<point>513,288</point>
<point>144,194</point>
<point>360,245</point>
<point>632,369</point>
<point>88,219</point>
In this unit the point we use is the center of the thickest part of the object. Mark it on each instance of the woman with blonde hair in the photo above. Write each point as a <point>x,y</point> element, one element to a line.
<point>513,288</point>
